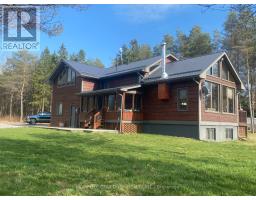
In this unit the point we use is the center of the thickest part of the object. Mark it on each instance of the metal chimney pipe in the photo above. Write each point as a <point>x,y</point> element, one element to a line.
<point>163,63</point>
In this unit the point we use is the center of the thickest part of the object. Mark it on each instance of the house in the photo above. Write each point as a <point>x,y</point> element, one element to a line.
<point>195,97</point>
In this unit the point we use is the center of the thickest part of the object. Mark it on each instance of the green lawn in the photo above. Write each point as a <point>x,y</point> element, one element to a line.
<point>37,161</point>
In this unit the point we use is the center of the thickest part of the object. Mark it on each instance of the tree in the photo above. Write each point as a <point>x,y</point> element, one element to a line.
<point>97,62</point>
<point>170,46</point>
<point>41,89</point>
<point>63,53</point>
<point>21,65</point>
<point>217,41</point>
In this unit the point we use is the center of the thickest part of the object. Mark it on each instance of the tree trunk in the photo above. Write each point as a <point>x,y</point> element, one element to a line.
<point>10,106</point>
<point>249,95</point>
<point>21,103</point>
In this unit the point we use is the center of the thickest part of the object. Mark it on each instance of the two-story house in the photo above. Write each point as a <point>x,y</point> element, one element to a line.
<point>195,97</point>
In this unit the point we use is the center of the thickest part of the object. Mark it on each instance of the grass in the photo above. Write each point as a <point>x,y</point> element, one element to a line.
<point>37,161</point>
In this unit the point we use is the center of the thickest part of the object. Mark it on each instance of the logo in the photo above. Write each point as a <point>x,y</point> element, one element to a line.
<point>20,28</point>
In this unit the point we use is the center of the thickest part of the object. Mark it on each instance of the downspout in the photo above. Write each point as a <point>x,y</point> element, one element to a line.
<point>121,114</point>
<point>199,105</point>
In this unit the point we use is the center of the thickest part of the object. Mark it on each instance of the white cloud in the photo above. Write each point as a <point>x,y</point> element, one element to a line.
<point>143,13</point>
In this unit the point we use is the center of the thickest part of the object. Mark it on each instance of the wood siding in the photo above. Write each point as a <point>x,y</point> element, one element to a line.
<point>156,109</point>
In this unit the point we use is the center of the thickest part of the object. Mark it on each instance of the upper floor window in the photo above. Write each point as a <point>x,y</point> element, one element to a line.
<point>182,99</point>
<point>214,70</point>
<point>66,77</point>
<point>228,98</point>
<point>212,98</point>
<point>226,74</point>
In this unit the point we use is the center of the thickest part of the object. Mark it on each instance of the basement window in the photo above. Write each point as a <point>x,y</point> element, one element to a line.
<point>229,133</point>
<point>211,134</point>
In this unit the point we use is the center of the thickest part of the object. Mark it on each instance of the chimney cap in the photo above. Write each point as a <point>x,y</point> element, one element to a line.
<point>164,43</point>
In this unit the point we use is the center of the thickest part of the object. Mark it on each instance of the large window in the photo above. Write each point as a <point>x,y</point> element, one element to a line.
<point>66,77</point>
<point>228,99</point>
<point>59,108</point>
<point>212,98</point>
<point>132,102</point>
<point>182,99</point>
<point>211,134</point>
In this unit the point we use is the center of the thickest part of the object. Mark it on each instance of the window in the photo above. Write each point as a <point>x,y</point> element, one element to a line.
<point>182,99</point>
<point>128,101</point>
<point>229,133</point>
<point>224,72</point>
<point>118,102</point>
<point>212,98</point>
<point>66,77</point>
<point>111,102</point>
<point>211,134</point>
<point>214,70</point>
<point>228,99</point>
<point>90,103</point>
<point>59,108</point>
<point>137,102</point>
<point>84,104</point>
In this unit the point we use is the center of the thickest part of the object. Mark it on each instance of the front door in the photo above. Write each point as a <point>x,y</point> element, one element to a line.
<point>73,118</point>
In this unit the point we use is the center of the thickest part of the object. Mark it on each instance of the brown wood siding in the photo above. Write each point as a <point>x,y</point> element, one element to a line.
<point>67,96</point>
<point>155,109</point>
<point>219,116</point>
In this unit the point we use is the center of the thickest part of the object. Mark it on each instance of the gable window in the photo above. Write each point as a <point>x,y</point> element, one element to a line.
<point>211,134</point>
<point>226,73</point>
<point>182,99</point>
<point>214,70</point>
<point>228,99</point>
<point>111,102</point>
<point>212,98</point>
<point>229,133</point>
<point>66,77</point>
<point>59,108</point>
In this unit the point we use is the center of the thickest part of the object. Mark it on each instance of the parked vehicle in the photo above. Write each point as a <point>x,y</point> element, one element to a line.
<point>42,117</point>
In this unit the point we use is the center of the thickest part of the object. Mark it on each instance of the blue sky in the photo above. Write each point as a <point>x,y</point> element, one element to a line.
<point>102,29</point>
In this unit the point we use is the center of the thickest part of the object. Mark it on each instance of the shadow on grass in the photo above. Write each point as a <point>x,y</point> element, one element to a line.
<point>71,164</point>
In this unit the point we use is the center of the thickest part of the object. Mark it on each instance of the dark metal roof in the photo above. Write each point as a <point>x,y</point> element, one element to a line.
<point>97,72</point>
<point>185,68</point>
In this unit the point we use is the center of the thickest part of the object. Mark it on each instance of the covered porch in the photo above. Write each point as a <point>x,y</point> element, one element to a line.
<point>117,108</point>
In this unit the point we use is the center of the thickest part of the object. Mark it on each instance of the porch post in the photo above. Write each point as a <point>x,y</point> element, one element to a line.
<point>121,113</point>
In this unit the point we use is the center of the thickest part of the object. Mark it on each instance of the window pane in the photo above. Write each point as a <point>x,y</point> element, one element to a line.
<point>118,102</point>
<point>229,133</point>
<point>111,102</point>
<point>224,72</point>
<point>128,101</point>
<point>90,104</point>
<point>69,75</point>
<point>59,109</point>
<point>137,102</point>
<point>182,99</point>
<point>216,69</point>
<point>230,96</point>
<point>231,77</point>
<point>224,99</point>
<point>208,97</point>
<point>84,104</point>
<point>215,97</point>
<point>73,76</point>
<point>211,133</point>
<point>209,72</point>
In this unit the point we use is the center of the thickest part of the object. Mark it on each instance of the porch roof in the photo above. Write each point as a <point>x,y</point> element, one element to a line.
<point>109,90</point>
